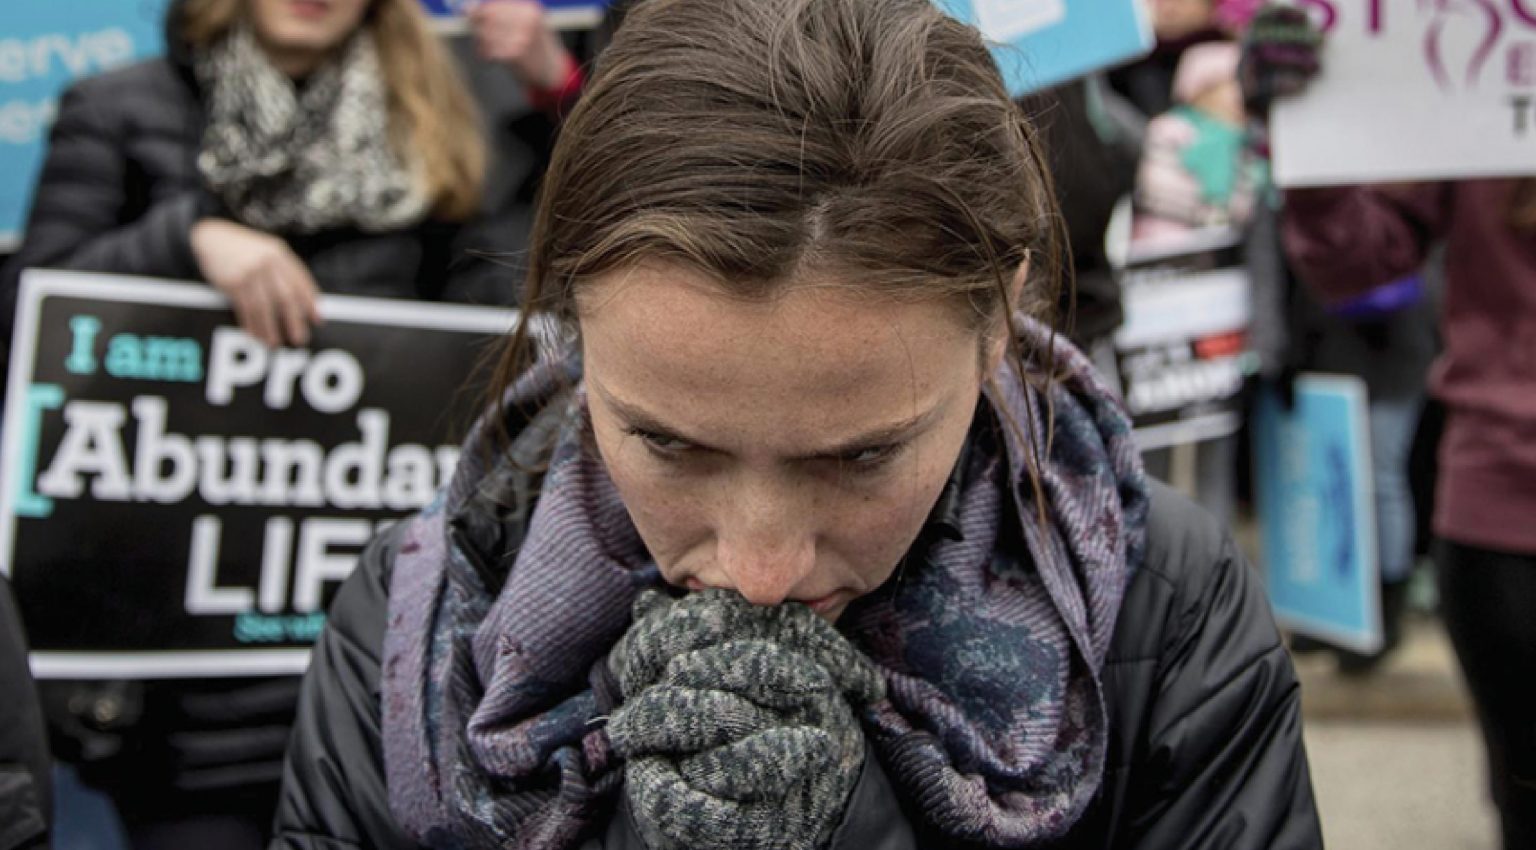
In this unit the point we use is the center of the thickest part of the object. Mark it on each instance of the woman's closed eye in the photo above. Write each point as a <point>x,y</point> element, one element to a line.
<point>860,461</point>
<point>869,459</point>
<point>663,446</point>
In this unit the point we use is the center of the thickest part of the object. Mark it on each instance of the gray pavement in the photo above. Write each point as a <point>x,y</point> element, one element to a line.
<point>1418,682</point>
<point>1397,763</point>
<point>1400,786</point>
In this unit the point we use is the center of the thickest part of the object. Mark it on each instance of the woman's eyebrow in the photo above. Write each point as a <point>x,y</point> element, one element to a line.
<point>884,435</point>
<point>643,420</point>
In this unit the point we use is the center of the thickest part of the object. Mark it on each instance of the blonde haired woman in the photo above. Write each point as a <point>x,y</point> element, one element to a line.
<point>280,148</point>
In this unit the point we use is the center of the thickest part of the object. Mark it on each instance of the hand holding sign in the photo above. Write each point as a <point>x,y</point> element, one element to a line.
<point>272,290</point>
<point>515,33</point>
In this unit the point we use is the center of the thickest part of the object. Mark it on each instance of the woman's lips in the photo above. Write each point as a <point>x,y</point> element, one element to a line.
<point>826,603</point>
<point>310,9</point>
<point>820,605</point>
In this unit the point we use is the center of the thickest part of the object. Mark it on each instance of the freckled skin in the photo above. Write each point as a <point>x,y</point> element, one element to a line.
<point>760,481</point>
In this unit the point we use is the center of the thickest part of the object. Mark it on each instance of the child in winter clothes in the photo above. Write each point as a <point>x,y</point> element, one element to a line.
<point>1196,172</point>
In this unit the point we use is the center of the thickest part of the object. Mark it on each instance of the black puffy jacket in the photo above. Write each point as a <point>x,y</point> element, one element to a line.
<point>1094,141</point>
<point>26,786</point>
<point>1205,745</point>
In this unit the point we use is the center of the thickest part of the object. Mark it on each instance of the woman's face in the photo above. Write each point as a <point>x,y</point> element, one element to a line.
<point>1175,19</point>
<point>300,34</point>
<point>788,449</point>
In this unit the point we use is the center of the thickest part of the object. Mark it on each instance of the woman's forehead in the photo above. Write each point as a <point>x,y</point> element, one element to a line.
<point>820,319</point>
<point>665,337</point>
<point>711,297</point>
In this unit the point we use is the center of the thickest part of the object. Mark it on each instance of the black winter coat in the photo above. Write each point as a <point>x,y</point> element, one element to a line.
<point>1205,745</point>
<point>26,786</point>
<point>1093,141</point>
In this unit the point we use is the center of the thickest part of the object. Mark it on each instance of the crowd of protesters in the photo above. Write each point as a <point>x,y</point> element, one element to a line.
<point>282,149</point>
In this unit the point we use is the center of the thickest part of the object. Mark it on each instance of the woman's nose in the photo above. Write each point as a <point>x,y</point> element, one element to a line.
<point>766,551</point>
<point>767,575</point>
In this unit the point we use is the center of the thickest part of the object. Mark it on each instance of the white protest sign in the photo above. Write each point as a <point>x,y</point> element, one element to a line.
<point>178,499</point>
<point>1438,89</point>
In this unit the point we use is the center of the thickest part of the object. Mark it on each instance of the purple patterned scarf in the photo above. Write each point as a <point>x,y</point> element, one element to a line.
<point>994,729</point>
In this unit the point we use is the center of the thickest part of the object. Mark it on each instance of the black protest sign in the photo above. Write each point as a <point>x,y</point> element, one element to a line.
<point>1182,353</point>
<point>181,500</point>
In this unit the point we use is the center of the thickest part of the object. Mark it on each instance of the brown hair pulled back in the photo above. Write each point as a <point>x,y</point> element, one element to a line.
<point>756,141</point>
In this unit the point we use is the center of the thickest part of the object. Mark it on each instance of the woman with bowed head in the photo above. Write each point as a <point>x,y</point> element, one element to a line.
<point>280,148</point>
<point>807,531</point>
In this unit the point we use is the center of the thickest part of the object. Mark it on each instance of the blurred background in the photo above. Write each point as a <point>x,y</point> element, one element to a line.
<point>1214,159</point>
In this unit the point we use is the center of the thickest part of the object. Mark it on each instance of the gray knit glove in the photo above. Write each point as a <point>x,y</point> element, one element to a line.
<point>736,724</point>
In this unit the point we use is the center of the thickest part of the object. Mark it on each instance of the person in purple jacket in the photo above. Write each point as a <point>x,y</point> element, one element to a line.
<point>1345,241</point>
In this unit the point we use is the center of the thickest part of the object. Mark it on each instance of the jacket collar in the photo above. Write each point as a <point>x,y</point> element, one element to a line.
<point>943,521</point>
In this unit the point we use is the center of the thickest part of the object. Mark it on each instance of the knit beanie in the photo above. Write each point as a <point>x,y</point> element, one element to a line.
<point>1279,55</point>
<point>738,724</point>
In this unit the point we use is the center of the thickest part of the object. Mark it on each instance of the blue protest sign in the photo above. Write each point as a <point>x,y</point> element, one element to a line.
<point>1312,476</point>
<point>45,46</point>
<point>1039,43</point>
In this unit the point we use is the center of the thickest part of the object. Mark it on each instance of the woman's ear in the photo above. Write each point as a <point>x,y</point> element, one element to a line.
<point>1000,336</point>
